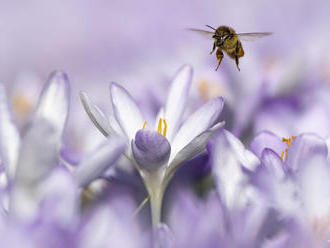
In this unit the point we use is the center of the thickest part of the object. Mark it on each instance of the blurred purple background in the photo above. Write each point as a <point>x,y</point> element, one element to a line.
<point>140,44</point>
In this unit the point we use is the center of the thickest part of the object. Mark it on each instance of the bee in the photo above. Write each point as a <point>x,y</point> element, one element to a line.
<point>226,39</point>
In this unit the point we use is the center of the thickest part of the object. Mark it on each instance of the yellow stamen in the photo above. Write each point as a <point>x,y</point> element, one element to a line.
<point>159,129</point>
<point>144,125</point>
<point>165,128</point>
<point>288,143</point>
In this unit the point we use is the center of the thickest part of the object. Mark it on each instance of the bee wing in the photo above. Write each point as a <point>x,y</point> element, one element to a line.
<point>205,33</point>
<point>252,36</point>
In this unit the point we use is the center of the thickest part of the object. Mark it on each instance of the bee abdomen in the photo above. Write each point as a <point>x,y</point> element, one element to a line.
<point>240,51</point>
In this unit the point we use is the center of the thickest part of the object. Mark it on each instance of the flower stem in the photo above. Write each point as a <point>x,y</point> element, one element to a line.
<point>156,200</point>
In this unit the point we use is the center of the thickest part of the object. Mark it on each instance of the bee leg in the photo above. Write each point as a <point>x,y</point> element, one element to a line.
<point>213,49</point>
<point>237,54</point>
<point>219,54</point>
<point>237,63</point>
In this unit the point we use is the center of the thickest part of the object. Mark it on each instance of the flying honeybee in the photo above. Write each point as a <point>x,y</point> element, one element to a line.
<point>227,40</point>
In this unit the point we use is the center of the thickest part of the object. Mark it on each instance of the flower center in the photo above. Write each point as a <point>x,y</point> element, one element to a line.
<point>161,128</point>
<point>288,142</point>
<point>22,106</point>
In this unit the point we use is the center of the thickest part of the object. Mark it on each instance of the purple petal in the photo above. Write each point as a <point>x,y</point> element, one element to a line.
<point>304,148</point>
<point>163,236</point>
<point>150,149</point>
<point>267,139</point>
<point>54,100</point>
<point>203,119</point>
<point>98,162</point>
<point>96,115</point>
<point>273,163</point>
<point>126,111</point>
<point>9,136</point>
<point>177,99</point>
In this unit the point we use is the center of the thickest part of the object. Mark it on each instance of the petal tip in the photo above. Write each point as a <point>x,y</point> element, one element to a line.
<point>186,68</point>
<point>114,86</point>
<point>61,80</point>
<point>83,97</point>
<point>59,76</point>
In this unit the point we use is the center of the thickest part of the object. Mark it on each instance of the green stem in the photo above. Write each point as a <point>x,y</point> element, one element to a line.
<point>156,200</point>
<point>155,187</point>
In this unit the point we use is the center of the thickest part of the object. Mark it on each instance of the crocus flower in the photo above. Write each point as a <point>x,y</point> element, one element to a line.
<point>230,157</point>
<point>158,153</point>
<point>296,184</point>
<point>217,226</point>
<point>29,159</point>
<point>112,224</point>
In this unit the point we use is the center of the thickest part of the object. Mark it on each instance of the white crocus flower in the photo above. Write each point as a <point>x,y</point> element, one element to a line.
<point>30,156</point>
<point>158,153</point>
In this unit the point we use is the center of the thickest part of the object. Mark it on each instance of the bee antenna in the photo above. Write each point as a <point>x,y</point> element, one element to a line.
<point>210,27</point>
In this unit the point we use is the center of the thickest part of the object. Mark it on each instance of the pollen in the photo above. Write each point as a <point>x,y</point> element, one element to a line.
<point>162,127</point>
<point>288,141</point>
<point>165,128</point>
<point>21,106</point>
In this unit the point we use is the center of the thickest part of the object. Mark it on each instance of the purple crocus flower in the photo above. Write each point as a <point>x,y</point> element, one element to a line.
<point>112,224</point>
<point>158,153</point>
<point>217,226</point>
<point>297,184</point>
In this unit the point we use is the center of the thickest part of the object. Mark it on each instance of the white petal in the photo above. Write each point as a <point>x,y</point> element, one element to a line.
<point>204,118</point>
<point>53,103</point>
<point>9,136</point>
<point>244,156</point>
<point>315,188</point>
<point>194,147</point>
<point>227,161</point>
<point>38,153</point>
<point>115,125</point>
<point>96,115</point>
<point>99,161</point>
<point>59,195</point>
<point>160,114</point>
<point>176,100</point>
<point>126,111</point>
<point>304,147</point>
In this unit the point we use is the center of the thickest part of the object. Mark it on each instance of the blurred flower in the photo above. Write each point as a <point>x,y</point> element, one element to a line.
<point>29,159</point>
<point>112,224</point>
<point>157,154</point>
<point>297,185</point>
<point>215,226</point>
<point>231,168</point>
<point>99,161</point>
